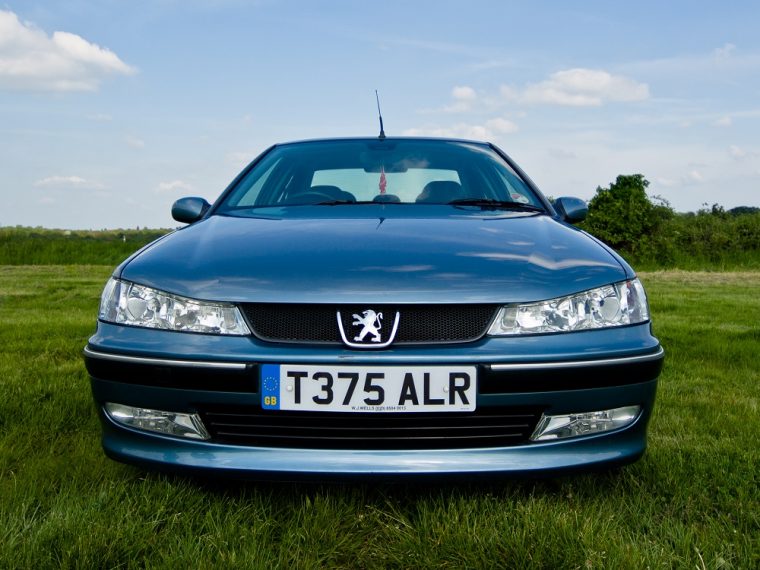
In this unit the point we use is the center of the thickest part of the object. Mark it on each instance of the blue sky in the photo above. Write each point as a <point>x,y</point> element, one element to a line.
<point>111,110</point>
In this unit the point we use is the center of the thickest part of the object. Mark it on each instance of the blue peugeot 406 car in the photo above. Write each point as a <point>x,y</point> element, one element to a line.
<point>378,306</point>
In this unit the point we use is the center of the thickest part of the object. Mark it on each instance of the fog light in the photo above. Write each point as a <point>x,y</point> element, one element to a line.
<point>585,423</point>
<point>169,423</point>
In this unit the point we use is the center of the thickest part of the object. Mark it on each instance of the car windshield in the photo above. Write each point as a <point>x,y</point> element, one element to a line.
<point>392,171</point>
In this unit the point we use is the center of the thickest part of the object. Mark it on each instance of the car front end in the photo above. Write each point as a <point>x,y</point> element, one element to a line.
<point>339,338</point>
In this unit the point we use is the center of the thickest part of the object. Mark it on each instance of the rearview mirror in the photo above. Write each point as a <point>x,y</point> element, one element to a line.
<point>572,210</point>
<point>189,210</point>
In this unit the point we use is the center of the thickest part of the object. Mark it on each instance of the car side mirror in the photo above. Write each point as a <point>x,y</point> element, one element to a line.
<point>572,210</point>
<point>189,210</point>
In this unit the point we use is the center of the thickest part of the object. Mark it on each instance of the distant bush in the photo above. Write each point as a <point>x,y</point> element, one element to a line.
<point>624,217</point>
<point>38,246</point>
<point>649,233</point>
<point>741,210</point>
<point>714,235</point>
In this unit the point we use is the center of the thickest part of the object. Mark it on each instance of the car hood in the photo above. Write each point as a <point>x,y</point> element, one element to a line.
<point>467,258</point>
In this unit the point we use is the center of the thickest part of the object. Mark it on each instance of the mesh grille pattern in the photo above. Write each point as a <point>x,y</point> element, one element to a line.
<point>431,324</point>
<point>486,427</point>
<point>293,323</point>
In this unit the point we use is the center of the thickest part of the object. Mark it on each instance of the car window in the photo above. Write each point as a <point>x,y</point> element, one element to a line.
<point>367,185</point>
<point>518,191</point>
<point>248,198</point>
<point>407,171</point>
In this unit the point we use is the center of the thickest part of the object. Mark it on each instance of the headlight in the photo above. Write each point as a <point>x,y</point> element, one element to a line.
<point>614,305</point>
<point>127,303</point>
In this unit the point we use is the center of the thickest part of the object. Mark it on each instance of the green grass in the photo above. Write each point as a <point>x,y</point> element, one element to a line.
<point>693,501</point>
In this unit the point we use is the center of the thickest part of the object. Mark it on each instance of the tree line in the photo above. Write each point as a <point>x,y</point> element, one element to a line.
<point>649,232</point>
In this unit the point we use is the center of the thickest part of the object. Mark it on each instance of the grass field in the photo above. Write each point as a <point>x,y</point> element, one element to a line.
<point>693,501</point>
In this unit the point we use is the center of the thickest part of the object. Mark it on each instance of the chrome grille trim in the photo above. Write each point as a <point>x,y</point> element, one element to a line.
<point>163,361</point>
<point>580,363</point>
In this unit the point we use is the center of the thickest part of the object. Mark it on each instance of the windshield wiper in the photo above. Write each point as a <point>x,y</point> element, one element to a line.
<point>489,203</point>
<point>341,202</point>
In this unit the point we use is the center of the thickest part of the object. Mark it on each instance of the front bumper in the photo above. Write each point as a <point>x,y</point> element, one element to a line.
<point>556,373</point>
<point>159,452</point>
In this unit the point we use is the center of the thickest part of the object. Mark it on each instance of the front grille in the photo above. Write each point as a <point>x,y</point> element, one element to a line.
<point>486,427</point>
<point>418,324</point>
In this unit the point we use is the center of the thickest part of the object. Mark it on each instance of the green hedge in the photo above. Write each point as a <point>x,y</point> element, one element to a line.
<point>648,233</point>
<point>38,246</point>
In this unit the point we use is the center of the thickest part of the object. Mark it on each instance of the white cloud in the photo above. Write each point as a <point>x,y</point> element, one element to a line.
<point>501,126</point>
<point>691,178</point>
<point>463,99</point>
<point>666,182</point>
<point>464,93</point>
<point>32,60</point>
<point>68,182</point>
<point>99,117</point>
<point>724,52</point>
<point>579,87</point>
<point>134,142</point>
<point>695,176</point>
<point>240,158</point>
<point>173,186</point>
<point>721,61</point>
<point>737,152</point>
<point>723,122</point>
<point>489,130</point>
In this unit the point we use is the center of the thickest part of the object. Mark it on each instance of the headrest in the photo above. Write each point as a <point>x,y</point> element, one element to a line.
<point>440,192</point>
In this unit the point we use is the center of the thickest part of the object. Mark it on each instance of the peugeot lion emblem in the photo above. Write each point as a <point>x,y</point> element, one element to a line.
<point>367,331</point>
<point>371,323</point>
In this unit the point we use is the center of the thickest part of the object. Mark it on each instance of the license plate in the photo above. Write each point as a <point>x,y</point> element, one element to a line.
<point>368,388</point>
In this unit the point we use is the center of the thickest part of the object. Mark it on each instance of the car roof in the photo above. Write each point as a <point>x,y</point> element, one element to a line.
<point>385,139</point>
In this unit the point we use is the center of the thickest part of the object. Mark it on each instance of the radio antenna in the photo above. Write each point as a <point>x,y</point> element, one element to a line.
<point>380,115</point>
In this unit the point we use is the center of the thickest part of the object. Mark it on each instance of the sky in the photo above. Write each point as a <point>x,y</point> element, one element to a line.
<point>111,110</point>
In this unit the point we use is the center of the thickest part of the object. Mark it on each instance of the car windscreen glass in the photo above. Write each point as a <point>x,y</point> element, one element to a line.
<point>391,171</point>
